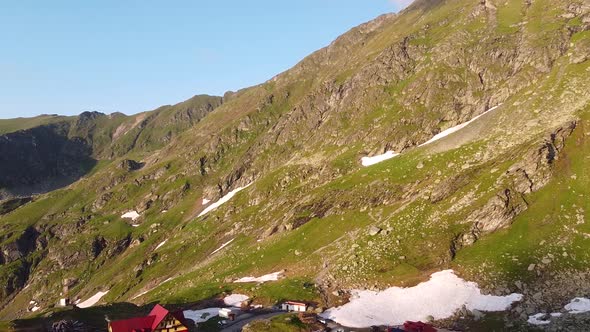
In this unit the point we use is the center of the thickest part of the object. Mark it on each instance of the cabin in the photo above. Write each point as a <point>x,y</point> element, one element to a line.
<point>229,313</point>
<point>294,306</point>
<point>158,320</point>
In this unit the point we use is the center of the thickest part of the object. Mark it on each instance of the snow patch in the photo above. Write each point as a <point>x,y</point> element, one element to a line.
<point>222,246</point>
<point>203,315</point>
<point>537,319</point>
<point>92,300</point>
<point>35,308</point>
<point>235,300</point>
<point>267,277</point>
<point>578,305</point>
<point>206,201</point>
<point>141,294</point>
<point>451,130</point>
<point>439,297</point>
<point>223,199</point>
<point>133,215</point>
<point>161,244</point>
<point>368,161</point>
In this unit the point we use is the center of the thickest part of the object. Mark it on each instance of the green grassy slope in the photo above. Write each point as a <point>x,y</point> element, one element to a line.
<point>12,125</point>
<point>390,84</point>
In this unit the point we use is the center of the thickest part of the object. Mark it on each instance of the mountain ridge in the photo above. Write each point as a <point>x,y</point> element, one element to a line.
<point>478,201</point>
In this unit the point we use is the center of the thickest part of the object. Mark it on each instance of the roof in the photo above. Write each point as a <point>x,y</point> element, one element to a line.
<point>295,303</point>
<point>159,313</point>
<point>147,323</point>
<point>131,324</point>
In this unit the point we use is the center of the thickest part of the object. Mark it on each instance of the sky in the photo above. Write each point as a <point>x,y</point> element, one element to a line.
<point>70,56</point>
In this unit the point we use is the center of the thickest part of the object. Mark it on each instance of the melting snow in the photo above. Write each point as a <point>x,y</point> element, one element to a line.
<point>264,278</point>
<point>439,297</point>
<point>222,200</point>
<point>161,244</point>
<point>235,300</point>
<point>202,315</point>
<point>149,290</point>
<point>368,161</point>
<point>451,130</point>
<point>578,305</point>
<point>140,294</point>
<point>222,246</point>
<point>133,215</point>
<point>206,201</point>
<point>35,308</point>
<point>537,319</point>
<point>92,300</point>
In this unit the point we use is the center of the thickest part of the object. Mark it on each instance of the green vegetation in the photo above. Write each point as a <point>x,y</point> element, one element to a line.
<point>551,226</point>
<point>312,210</point>
<point>281,323</point>
<point>12,125</point>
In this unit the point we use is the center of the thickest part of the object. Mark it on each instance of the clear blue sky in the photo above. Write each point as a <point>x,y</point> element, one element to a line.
<point>130,56</point>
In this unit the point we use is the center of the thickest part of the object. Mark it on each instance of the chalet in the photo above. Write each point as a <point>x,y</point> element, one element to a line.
<point>158,320</point>
<point>294,306</point>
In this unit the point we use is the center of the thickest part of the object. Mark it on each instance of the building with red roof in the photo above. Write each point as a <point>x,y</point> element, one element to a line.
<point>158,320</point>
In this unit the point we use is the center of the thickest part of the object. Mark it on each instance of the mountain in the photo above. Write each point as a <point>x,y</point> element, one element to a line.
<point>477,109</point>
<point>48,152</point>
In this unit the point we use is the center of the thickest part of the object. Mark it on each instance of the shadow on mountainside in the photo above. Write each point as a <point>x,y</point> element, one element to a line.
<point>41,159</point>
<point>94,319</point>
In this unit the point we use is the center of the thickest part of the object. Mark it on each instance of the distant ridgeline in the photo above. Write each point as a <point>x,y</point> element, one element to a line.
<point>56,151</point>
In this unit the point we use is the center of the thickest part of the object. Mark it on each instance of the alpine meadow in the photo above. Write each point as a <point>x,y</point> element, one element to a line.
<point>429,169</point>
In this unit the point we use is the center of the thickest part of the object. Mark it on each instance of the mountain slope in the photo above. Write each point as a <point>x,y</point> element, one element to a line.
<point>476,200</point>
<point>59,150</point>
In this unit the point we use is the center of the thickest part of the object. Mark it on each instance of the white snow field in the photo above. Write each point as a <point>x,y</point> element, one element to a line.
<point>223,199</point>
<point>202,315</point>
<point>578,305</point>
<point>456,128</point>
<point>223,246</point>
<point>368,161</point>
<point>235,300</point>
<point>267,277</point>
<point>206,201</point>
<point>161,244</point>
<point>438,297</point>
<point>133,215</point>
<point>92,300</point>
